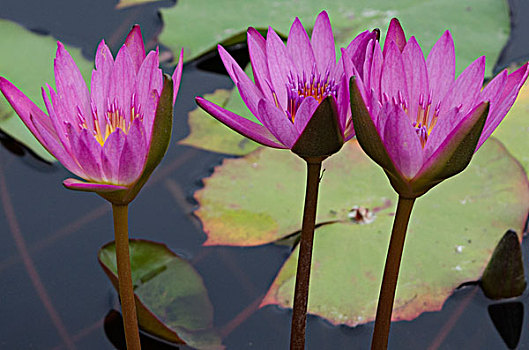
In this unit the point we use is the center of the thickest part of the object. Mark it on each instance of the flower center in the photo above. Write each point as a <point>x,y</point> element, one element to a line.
<point>425,119</point>
<point>316,85</point>
<point>112,120</point>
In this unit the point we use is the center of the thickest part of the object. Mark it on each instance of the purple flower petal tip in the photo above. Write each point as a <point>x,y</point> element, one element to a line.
<point>78,185</point>
<point>177,75</point>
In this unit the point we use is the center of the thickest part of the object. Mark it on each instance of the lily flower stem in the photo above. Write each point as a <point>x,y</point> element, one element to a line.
<point>299,316</point>
<point>391,274</point>
<point>126,292</point>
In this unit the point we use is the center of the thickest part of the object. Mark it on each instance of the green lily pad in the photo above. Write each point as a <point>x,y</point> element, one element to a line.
<point>479,27</point>
<point>453,231</point>
<point>27,61</point>
<point>514,129</point>
<point>171,299</point>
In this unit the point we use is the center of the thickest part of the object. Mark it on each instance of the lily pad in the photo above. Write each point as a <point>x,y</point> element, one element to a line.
<point>27,61</point>
<point>453,231</point>
<point>514,129</point>
<point>479,27</point>
<point>171,299</point>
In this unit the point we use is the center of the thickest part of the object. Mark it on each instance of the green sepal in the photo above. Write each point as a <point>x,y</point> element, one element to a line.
<point>455,156</point>
<point>322,136</point>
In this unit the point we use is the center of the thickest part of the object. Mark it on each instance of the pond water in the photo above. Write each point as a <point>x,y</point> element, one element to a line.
<point>54,294</point>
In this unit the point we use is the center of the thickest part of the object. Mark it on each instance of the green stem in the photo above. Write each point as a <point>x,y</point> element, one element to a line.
<point>126,291</point>
<point>301,294</point>
<point>391,274</point>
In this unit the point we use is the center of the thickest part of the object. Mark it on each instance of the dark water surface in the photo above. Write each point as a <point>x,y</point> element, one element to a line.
<point>53,293</point>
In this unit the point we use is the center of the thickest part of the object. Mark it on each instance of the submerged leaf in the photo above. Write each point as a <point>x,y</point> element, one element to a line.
<point>27,61</point>
<point>454,228</point>
<point>171,299</point>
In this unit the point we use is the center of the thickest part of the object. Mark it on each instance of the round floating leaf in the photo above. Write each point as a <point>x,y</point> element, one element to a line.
<point>479,27</point>
<point>171,299</point>
<point>27,61</point>
<point>514,129</point>
<point>454,228</point>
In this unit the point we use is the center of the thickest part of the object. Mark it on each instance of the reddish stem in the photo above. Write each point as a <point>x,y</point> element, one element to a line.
<point>301,294</point>
<point>126,291</point>
<point>391,274</point>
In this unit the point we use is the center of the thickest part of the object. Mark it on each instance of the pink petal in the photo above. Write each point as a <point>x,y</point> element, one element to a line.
<point>342,104</point>
<point>395,34</point>
<point>512,87</point>
<point>401,141</point>
<point>393,79</point>
<point>280,66</point>
<point>71,86</point>
<point>441,63</point>
<point>464,91</point>
<point>231,65</point>
<point>358,48</point>
<point>251,96</point>
<point>323,42</point>
<point>87,152</point>
<point>305,111</point>
<point>133,155</point>
<point>122,81</point>
<point>416,75</point>
<point>492,91</point>
<point>74,184</point>
<point>54,146</point>
<point>257,50</point>
<point>300,49</point>
<point>134,43</point>
<point>375,71</point>
<point>57,120</point>
<point>444,126</point>
<point>377,114</point>
<point>278,123</point>
<point>101,82</point>
<point>110,155</point>
<point>249,92</point>
<point>26,110</point>
<point>243,126</point>
<point>148,86</point>
<point>177,75</point>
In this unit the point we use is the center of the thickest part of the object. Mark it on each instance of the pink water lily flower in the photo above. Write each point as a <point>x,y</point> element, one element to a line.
<point>414,118</point>
<point>113,136</point>
<point>300,95</point>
